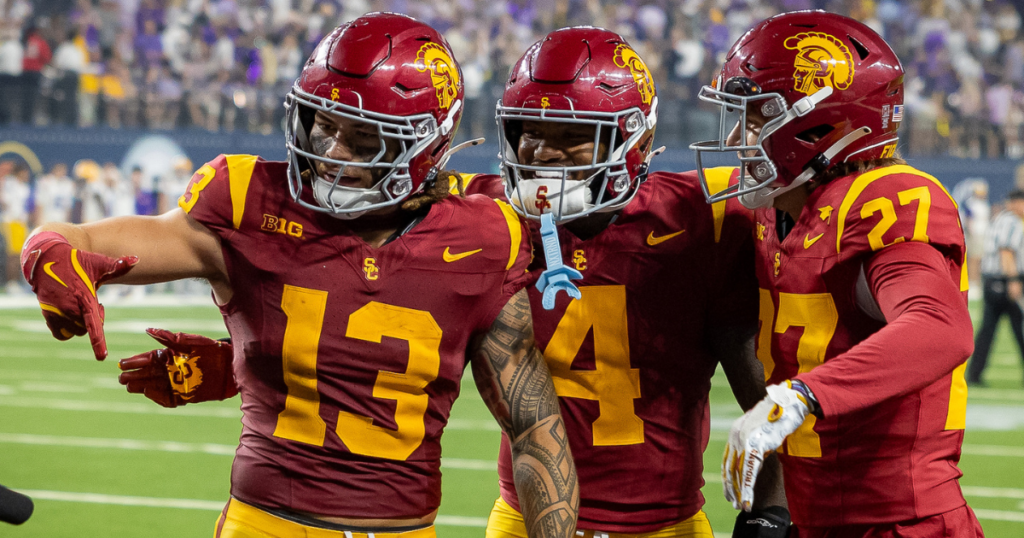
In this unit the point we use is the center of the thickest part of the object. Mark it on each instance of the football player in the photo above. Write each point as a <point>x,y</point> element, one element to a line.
<point>354,289</point>
<point>667,291</point>
<point>863,301</point>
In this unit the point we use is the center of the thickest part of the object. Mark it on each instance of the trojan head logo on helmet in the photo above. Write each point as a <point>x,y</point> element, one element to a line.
<point>626,57</point>
<point>444,73</point>
<point>581,76</point>
<point>393,80</point>
<point>821,60</point>
<point>823,88</point>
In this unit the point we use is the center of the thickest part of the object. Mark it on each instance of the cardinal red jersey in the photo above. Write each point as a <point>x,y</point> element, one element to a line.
<point>349,357</point>
<point>872,462</point>
<point>630,359</point>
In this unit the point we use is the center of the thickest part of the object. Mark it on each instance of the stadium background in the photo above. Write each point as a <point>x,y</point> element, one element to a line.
<point>142,83</point>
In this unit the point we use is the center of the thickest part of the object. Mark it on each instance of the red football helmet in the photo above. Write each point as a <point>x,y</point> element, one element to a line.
<point>580,75</point>
<point>389,71</point>
<point>829,88</point>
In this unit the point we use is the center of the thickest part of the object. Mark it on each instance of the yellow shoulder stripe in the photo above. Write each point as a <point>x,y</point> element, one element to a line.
<point>239,175</point>
<point>515,231</point>
<point>864,180</point>
<point>718,180</point>
<point>453,187</point>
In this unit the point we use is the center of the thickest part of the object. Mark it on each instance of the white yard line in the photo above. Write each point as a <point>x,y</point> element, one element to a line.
<point>142,408</point>
<point>999,493</point>
<point>999,515</point>
<point>149,408</point>
<point>194,448</point>
<point>194,504</point>
<point>994,450</point>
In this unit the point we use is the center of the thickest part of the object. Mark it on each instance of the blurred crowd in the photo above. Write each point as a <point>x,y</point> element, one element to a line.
<point>85,192</point>
<point>224,65</point>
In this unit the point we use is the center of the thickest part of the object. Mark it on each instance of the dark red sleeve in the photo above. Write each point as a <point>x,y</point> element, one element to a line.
<point>207,199</point>
<point>735,302</point>
<point>928,333</point>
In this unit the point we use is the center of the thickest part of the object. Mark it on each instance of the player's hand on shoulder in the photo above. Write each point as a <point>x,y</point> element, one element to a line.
<point>769,522</point>
<point>65,281</point>
<point>756,434</point>
<point>190,369</point>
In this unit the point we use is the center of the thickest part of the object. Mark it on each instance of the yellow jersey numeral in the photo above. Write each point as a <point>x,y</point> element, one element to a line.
<point>188,200</point>
<point>613,383</point>
<point>816,313</point>
<point>300,420</point>
<point>884,205</point>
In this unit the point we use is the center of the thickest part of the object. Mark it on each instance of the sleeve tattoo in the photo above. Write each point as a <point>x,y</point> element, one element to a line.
<point>516,385</point>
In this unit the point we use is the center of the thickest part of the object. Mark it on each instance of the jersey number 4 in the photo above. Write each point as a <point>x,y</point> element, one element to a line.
<point>300,420</point>
<point>612,382</point>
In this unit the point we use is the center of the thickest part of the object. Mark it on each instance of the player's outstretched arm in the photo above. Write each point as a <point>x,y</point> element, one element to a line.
<point>171,246</point>
<point>516,385</point>
<point>66,264</point>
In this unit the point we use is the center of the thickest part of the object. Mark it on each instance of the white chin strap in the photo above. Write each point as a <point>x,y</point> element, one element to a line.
<point>545,195</point>
<point>763,197</point>
<point>343,197</point>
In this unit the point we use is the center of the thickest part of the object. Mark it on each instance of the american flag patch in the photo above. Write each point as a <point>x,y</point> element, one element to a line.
<point>897,113</point>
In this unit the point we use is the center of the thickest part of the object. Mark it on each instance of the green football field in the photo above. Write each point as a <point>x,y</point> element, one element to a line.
<point>102,463</point>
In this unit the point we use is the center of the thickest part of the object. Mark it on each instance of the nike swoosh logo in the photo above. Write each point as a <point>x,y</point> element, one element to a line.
<point>47,270</point>
<point>808,240</point>
<point>651,240</point>
<point>449,257</point>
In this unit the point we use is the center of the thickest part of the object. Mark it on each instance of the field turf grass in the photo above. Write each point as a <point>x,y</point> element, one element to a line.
<point>102,463</point>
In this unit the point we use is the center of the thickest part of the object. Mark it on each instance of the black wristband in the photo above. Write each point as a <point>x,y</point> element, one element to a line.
<point>813,407</point>
<point>770,522</point>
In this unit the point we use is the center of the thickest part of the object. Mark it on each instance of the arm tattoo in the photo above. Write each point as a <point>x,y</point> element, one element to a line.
<point>516,385</point>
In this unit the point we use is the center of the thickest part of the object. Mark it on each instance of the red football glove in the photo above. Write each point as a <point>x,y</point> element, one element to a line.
<point>191,369</point>
<point>65,280</point>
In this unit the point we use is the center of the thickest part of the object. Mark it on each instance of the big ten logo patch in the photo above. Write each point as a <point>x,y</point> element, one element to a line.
<point>579,259</point>
<point>542,198</point>
<point>281,226</point>
<point>370,269</point>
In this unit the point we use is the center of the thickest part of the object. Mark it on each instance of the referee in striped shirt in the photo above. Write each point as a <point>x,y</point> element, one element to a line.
<point>1002,267</point>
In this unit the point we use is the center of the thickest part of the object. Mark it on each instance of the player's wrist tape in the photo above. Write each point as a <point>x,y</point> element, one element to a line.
<point>812,403</point>
<point>35,244</point>
<point>770,522</point>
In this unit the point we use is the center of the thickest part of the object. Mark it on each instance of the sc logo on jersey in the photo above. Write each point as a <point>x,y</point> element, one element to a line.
<point>281,226</point>
<point>370,269</point>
